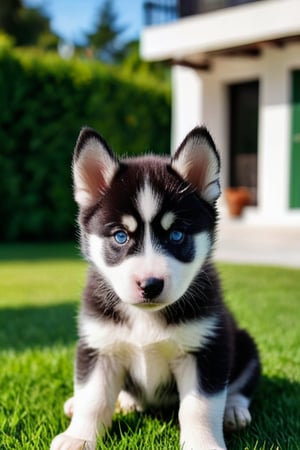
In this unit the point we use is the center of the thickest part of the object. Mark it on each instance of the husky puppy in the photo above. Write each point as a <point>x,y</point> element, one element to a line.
<point>153,328</point>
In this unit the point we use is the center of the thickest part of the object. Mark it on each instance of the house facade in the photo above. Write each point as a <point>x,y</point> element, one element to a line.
<point>236,69</point>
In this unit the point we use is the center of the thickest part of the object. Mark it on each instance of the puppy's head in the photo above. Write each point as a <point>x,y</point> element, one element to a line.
<point>147,223</point>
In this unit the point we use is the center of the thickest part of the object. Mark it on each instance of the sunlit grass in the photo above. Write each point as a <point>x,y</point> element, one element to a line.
<point>40,289</point>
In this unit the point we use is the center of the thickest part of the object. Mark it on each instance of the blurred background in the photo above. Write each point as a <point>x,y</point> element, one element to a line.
<point>65,64</point>
<point>144,73</point>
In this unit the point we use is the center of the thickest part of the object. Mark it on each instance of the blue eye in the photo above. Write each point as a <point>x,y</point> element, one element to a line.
<point>176,236</point>
<point>121,237</point>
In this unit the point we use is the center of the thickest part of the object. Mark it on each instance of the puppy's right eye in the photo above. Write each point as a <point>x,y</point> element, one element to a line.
<point>121,237</point>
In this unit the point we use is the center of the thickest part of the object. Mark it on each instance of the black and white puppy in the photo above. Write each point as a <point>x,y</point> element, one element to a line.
<point>154,331</point>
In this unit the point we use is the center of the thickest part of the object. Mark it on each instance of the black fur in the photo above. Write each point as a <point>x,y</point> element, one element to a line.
<point>99,300</point>
<point>86,359</point>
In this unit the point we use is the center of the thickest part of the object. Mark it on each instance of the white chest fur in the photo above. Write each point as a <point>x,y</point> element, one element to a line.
<point>146,349</point>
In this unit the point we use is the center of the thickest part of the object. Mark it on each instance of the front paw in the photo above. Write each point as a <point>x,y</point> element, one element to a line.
<point>126,403</point>
<point>236,418</point>
<point>65,442</point>
<point>201,446</point>
<point>69,407</point>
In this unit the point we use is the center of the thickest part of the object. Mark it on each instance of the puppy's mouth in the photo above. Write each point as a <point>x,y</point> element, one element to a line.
<point>149,305</point>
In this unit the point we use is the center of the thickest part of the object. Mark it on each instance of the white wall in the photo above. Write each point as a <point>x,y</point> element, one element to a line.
<point>200,98</point>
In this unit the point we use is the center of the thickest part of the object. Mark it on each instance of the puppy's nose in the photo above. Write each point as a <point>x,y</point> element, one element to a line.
<point>151,287</point>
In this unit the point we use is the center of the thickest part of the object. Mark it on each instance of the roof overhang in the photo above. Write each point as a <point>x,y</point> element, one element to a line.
<point>240,30</point>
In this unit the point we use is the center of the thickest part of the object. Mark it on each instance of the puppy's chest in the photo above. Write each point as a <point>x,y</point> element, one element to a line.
<point>142,342</point>
<point>147,350</point>
<point>149,358</point>
<point>147,337</point>
<point>150,371</point>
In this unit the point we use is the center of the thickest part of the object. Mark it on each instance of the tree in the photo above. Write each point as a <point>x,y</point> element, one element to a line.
<point>105,40</point>
<point>31,25</point>
<point>8,15</point>
<point>26,25</point>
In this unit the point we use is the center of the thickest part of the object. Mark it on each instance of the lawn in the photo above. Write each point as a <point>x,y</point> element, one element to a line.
<point>40,288</point>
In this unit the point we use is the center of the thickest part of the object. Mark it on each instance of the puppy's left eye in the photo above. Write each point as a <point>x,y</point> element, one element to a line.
<point>176,236</point>
<point>121,237</point>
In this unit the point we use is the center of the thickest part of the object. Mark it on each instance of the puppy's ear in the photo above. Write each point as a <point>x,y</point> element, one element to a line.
<point>94,166</point>
<point>197,162</point>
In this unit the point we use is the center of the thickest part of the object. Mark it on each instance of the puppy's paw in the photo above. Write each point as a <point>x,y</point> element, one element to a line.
<point>236,417</point>
<point>126,403</point>
<point>65,442</point>
<point>200,445</point>
<point>69,407</point>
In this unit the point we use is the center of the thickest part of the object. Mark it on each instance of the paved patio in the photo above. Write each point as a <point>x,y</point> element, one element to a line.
<point>240,243</point>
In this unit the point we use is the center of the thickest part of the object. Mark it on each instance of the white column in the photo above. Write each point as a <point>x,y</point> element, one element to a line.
<point>186,103</point>
<point>273,162</point>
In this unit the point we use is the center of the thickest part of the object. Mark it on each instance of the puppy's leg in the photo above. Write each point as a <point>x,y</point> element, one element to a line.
<point>126,403</point>
<point>200,414</point>
<point>245,376</point>
<point>96,391</point>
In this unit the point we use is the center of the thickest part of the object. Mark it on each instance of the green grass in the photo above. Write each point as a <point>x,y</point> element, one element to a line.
<point>40,288</point>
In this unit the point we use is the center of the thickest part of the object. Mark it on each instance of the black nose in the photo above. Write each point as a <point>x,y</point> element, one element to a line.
<point>151,287</point>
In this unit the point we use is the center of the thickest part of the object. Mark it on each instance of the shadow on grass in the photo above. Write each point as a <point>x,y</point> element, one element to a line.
<point>275,424</point>
<point>275,417</point>
<point>158,429</point>
<point>36,327</point>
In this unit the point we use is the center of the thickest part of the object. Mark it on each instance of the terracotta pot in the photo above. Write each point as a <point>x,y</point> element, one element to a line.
<point>237,198</point>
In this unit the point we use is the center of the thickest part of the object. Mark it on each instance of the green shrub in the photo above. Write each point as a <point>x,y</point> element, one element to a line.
<point>44,102</point>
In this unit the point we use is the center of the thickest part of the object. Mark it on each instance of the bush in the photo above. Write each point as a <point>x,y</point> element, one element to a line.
<point>44,102</point>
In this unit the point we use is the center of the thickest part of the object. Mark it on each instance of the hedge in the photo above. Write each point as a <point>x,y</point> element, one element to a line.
<point>44,103</point>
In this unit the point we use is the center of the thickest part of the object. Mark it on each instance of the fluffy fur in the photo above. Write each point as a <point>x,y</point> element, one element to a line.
<point>153,328</point>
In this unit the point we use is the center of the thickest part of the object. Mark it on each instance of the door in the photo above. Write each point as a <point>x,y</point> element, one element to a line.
<point>295,142</point>
<point>243,136</point>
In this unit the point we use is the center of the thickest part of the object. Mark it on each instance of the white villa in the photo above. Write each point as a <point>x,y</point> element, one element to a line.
<point>236,69</point>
